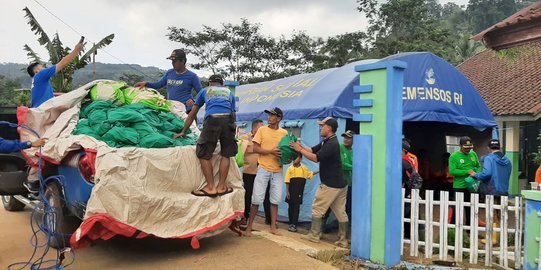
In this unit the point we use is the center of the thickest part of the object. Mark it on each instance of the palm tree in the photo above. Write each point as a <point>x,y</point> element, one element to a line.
<point>61,82</point>
<point>466,48</point>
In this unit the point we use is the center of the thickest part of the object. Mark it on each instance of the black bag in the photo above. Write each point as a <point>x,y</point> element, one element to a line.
<point>414,181</point>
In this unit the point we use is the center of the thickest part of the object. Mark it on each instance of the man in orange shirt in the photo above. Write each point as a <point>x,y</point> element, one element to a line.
<point>411,156</point>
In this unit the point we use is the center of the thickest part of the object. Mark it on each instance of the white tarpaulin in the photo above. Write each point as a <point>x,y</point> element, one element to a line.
<point>146,189</point>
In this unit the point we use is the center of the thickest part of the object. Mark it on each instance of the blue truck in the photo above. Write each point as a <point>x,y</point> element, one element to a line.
<point>65,188</point>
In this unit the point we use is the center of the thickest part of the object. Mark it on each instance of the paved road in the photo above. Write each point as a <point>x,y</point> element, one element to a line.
<point>225,251</point>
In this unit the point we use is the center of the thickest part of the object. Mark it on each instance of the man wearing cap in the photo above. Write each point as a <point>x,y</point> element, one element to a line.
<point>461,163</point>
<point>270,171</point>
<point>180,81</point>
<point>496,172</point>
<point>219,125</point>
<point>346,153</point>
<point>332,193</point>
<point>42,90</point>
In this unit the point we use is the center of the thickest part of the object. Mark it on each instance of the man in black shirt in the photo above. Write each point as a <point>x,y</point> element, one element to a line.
<point>332,192</point>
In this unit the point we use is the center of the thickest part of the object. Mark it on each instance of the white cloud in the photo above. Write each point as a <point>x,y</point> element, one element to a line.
<point>140,26</point>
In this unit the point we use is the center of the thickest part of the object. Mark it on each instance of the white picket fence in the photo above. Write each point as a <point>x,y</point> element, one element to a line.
<point>438,226</point>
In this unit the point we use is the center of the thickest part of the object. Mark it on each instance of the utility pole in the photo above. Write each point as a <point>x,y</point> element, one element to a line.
<point>94,63</point>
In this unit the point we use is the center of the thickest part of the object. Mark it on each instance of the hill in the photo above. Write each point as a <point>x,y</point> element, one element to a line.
<point>17,72</point>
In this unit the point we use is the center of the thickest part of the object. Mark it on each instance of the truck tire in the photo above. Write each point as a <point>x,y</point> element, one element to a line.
<point>62,226</point>
<point>11,204</point>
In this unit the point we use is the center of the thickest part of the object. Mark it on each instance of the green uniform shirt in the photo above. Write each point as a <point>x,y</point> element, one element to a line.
<point>347,159</point>
<point>460,164</point>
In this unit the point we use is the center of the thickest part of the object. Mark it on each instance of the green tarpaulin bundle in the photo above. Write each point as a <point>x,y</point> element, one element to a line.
<point>135,125</point>
<point>288,154</point>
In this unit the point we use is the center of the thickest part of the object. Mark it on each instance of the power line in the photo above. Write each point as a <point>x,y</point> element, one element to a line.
<point>77,32</point>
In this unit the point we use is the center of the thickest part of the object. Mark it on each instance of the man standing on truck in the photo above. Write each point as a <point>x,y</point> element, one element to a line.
<point>42,90</point>
<point>7,146</point>
<point>179,80</point>
<point>219,125</point>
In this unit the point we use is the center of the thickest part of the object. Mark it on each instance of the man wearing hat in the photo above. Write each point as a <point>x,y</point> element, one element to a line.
<point>181,83</point>
<point>461,163</point>
<point>270,171</point>
<point>332,192</point>
<point>496,172</point>
<point>219,125</point>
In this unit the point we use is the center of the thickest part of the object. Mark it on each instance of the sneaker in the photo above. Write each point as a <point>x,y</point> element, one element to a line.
<point>292,228</point>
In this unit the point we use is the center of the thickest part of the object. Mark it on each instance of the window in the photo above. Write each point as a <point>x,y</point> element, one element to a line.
<point>452,143</point>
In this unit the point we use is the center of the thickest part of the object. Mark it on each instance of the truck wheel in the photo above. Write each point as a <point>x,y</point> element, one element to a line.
<point>12,204</point>
<point>56,222</point>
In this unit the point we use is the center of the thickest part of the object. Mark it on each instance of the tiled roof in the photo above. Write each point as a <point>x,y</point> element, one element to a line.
<point>528,13</point>
<point>510,80</point>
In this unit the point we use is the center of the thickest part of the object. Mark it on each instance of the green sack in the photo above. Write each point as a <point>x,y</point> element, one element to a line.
<point>472,184</point>
<point>96,105</point>
<point>83,128</point>
<point>239,157</point>
<point>190,139</point>
<point>108,91</point>
<point>124,115</point>
<point>288,154</point>
<point>122,136</point>
<point>156,140</point>
<point>97,117</point>
<point>144,129</point>
<point>102,128</point>
<point>147,96</point>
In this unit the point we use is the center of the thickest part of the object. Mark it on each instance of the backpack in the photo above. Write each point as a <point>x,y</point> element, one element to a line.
<point>414,181</point>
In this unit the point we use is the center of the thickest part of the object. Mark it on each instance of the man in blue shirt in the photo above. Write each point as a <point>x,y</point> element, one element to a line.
<point>179,80</point>
<point>42,90</point>
<point>496,172</point>
<point>7,146</point>
<point>219,125</point>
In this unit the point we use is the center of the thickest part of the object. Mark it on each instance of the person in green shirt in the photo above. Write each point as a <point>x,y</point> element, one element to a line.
<point>461,163</point>
<point>346,153</point>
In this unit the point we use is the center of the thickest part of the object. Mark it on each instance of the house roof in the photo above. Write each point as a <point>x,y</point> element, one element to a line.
<point>529,13</point>
<point>509,81</point>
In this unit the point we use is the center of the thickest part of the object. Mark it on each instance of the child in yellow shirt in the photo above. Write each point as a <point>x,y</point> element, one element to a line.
<point>295,180</point>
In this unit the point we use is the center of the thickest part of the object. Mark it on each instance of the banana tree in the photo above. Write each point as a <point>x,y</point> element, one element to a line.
<point>61,82</point>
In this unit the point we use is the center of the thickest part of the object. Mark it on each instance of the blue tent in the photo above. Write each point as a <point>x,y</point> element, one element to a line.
<point>434,91</point>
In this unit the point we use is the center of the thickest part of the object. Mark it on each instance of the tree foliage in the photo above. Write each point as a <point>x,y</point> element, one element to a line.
<point>62,81</point>
<point>242,53</point>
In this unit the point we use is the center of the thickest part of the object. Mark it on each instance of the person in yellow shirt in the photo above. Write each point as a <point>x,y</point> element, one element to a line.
<point>295,179</point>
<point>270,171</point>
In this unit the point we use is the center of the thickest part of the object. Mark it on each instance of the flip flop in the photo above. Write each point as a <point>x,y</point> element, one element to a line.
<point>227,191</point>
<point>205,194</point>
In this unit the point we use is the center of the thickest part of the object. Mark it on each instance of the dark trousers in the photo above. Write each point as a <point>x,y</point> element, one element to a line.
<point>348,203</point>
<point>248,180</point>
<point>466,209</point>
<point>293,211</point>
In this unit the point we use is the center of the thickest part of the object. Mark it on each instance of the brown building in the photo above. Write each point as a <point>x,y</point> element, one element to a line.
<point>508,77</point>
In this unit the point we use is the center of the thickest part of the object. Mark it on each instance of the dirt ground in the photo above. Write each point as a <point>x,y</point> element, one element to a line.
<point>225,251</point>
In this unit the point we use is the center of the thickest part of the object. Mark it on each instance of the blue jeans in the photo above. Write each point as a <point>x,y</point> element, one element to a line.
<point>262,180</point>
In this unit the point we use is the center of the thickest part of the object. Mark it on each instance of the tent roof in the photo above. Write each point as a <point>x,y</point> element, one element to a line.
<point>434,90</point>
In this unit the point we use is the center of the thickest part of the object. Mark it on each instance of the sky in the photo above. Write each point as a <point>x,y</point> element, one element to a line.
<point>140,26</point>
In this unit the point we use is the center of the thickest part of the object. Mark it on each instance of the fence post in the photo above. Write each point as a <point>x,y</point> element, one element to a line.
<point>518,231</point>
<point>489,204</point>
<point>444,213</point>
<point>503,231</point>
<point>402,223</point>
<point>429,215</point>
<point>474,228</point>
<point>459,218</point>
<point>414,248</point>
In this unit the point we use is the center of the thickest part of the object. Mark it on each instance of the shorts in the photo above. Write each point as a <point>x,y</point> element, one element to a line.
<point>217,128</point>
<point>262,180</point>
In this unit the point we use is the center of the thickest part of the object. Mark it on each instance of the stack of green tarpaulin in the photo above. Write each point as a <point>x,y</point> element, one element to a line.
<point>145,123</point>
